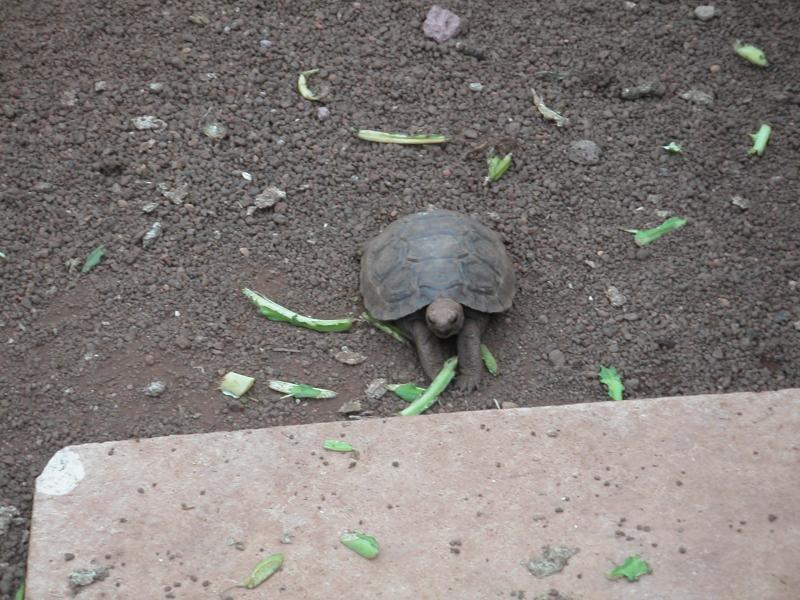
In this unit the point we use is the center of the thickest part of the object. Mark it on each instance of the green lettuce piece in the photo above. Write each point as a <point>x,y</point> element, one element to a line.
<point>760,139</point>
<point>337,446</point>
<point>643,237</point>
<point>361,543</point>
<point>300,390</point>
<point>406,391</point>
<point>633,568</point>
<point>497,167</point>
<point>392,330</point>
<point>611,379</point>
<point>263,570</point>
<point>94,258</point>
<point>383,137</point>
<point>275,312</point>
<point>488,360</point>
<point>437,386</point>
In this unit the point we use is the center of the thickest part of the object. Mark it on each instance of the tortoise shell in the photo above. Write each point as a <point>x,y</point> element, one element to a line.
<point>436,254</point>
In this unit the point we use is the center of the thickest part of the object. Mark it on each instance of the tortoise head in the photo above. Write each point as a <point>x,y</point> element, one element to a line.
<point>444,317</point>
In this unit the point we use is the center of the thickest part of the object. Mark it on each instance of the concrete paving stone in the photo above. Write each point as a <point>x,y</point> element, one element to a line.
<point>706,489</point>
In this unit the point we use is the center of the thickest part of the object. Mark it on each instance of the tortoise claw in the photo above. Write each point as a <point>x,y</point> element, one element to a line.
<point>467,382</point>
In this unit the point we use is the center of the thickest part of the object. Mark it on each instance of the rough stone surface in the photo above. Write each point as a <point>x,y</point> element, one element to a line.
<point>698,97</point>
<point>584,152</point>
<point>704,488</point>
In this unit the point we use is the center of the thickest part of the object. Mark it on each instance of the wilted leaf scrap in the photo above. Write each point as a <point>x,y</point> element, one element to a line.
<point>337,446</point>
<point>383,137</point>
<point>497,167</point>
<point>94,258</point>
<point>300,390</point>
<point>760,139</point>
<point>406,391</point>
<point>263,571</point>
<point>302,85</point>
<point>488,360</point>
<point>276,312</point>
<point>633,568</point>
<point>751,54</point>
<point>236,385</point>
<point>386,328</point>
<point>361,543</point>
<point>548,113</point>
<point>647,236</point>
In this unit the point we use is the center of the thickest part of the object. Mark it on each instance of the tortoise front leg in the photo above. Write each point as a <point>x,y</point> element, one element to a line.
<point>470,365</point>
<point>429,348</point>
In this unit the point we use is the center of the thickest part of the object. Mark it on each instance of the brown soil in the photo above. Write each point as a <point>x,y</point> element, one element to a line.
<point>710,308</point>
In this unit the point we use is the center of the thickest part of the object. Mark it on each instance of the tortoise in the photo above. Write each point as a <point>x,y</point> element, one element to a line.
<point>436,275</point>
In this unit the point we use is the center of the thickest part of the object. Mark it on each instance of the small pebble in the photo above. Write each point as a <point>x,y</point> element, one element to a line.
<point>706,12</point>
<point>615,297</point>
<point>155,388</point>
<point>584,152</point>
<point>742,203</point>
<point>348,357</point>
<point>556,358</point>
<point>350,407</point>
<point>441,24</point>
<point>376,388</point>
<point>476,86</point>
<point>698,97</point>
<point>648,89</point>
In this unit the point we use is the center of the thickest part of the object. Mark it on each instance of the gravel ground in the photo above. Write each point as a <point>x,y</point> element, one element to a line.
<point>713,307</point>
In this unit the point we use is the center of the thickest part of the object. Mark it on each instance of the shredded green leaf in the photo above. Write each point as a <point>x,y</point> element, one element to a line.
<point>275,312</point>
<point>497,167</point>
<point>633,568</point>
<point>406,391</point>
<point>94,258</point>
<point>20,595</point>
<point>300,390</point>
<point>337,446</point>
<point>236,385</point>
<point>383,137</point>
<point>751,54</point>
<point>2,255</point>
<point>647,236</point>
<point>611,379</point>
<point>673,147</point>
<point>548,113</point>
<point>302,85</point>
<point>361,543</point>
<point>437,386</point>
<point>760,139</point>
<point>386,328</point>
<point>263,570</point>
<point>488,360</point>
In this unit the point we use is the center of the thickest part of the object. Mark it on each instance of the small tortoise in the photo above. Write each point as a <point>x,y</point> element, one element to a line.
<point>438,274</point>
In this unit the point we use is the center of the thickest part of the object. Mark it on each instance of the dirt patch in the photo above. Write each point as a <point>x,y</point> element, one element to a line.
<point>712,307</point>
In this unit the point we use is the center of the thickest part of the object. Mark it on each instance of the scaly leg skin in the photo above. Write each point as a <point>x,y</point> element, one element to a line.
<point>429,348</point>
<point>470,365</point>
